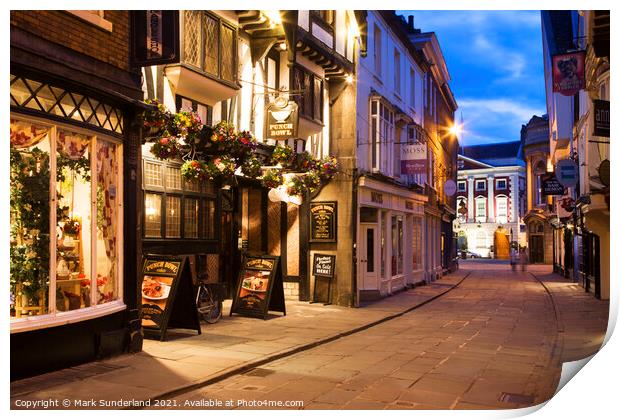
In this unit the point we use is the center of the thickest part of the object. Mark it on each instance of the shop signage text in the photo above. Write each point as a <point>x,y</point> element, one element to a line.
<point>323,221</point>
<point>601,118</point>
<point>551,186</point>
<point>282,120</point>
<point>569,72</point>
<point>324,265</point>
<point>376,197</point>
<point>413,159</point>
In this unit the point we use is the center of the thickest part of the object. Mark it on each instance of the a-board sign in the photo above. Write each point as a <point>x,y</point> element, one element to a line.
<point>323,221</point>
<point>550,185</point>
<point>324,265</point>
<point>259,287</point>
<point>167,295</point>
<point>324,270</point>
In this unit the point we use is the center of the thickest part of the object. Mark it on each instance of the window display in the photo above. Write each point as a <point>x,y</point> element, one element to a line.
<point>64,246</point>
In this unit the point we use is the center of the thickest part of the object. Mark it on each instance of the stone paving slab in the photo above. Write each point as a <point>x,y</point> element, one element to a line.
<point>233,344</point>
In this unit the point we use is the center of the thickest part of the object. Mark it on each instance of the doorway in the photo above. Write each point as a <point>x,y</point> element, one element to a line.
<point>368,257</point>
<point>537,255</point>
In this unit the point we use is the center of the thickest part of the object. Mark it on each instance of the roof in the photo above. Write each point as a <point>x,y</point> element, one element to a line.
<point>495,154</point>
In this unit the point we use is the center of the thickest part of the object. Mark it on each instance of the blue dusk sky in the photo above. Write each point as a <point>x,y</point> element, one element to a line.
<point>495,61</point>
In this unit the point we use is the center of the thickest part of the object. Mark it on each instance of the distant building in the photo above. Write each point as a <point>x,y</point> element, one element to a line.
<point>490,198</point>
<point>535,143</point>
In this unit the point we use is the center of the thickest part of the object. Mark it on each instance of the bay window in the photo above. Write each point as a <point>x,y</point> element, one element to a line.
<point>65,214</point>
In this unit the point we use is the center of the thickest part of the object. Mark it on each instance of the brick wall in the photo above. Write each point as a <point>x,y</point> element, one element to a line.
<point>70,31</point>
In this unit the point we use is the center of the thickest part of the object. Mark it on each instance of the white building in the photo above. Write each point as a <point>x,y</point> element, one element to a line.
<point>491,198</point>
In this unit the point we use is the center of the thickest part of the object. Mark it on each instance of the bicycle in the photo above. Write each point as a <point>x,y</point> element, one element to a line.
<point>209,300</point>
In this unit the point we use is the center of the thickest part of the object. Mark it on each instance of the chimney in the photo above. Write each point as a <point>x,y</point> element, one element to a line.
<point>410,22</point>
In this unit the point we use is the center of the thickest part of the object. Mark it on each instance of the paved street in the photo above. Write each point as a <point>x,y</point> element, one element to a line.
<point>493,342</point>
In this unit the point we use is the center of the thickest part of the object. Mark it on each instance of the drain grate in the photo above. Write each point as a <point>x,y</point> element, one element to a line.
<point>516,398</point>
<point>260,372</point>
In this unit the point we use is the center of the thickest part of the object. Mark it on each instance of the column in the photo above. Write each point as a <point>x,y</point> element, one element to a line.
<point>514,202</point>
<point>530,189</point>
<point>471,204</point>
<point>491,199</point>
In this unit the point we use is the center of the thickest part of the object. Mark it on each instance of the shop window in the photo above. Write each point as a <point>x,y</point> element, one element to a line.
<point>310,93</point>
<point>417,243</point>
<point>175,208</point>
<point>210,44</point>
<point>368,215</point>
<point>397,245</point>
<point>65,258</point>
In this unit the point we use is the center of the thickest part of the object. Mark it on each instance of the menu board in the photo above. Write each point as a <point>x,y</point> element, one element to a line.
<point>260,287</point>
<point>167,295</point>
<point>323,221</point>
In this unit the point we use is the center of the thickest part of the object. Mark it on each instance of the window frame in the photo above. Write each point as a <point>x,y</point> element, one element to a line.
<point>504,199</point>
<point>480,218</point>
<point>309,95</point>
<point>481,189</point>
<point>54,317</point>
<point>202,196</point>
<point>497,181</point>
<point>382,135</point>
<point>458,186</point>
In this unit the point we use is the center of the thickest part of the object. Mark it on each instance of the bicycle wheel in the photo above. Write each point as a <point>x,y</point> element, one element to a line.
<point>215,313</point>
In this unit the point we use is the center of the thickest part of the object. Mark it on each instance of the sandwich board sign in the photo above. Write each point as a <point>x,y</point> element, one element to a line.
<point>167,296</point>
<point>259,287</point>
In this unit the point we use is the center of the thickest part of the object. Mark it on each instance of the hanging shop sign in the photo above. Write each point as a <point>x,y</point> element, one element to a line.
<point>323,221</point>
<point>449,188</point>
<point>567,172</point>
<point>569,72</point>
<point>603,172</point>
<point>167,296</point>
<point>154,37</point>
<point>259,288</point>
<point>282,119</point>
<point>324,270</point>
<point>413,159</point>
<point>601,118</point>
<point>550,185</point>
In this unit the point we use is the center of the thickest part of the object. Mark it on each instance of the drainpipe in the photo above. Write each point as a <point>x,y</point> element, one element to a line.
<point>354,291</point>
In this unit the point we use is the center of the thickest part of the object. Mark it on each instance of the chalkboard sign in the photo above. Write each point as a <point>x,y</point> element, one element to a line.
<point>323,221</point>
<point>323,265</point>
<point>259,287</point>
<point>323,269</point>
<point>168,299</point>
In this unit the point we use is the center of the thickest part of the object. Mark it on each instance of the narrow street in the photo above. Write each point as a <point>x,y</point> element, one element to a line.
<point>490,343</point>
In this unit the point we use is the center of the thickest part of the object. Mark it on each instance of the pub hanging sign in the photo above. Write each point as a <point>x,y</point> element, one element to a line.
<point>569,72</point>
<point>154,37</point>
<point>323,221</point>
<point>282,119</point>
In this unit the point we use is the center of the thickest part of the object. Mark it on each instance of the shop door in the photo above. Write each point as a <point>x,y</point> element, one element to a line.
<point>368,258</point>
<point>502,245</point>
<point>536,249</point>
<point>229,252</point>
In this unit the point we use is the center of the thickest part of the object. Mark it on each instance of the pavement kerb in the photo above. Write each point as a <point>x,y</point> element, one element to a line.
<point>558,318</point>
<point>237,370</point>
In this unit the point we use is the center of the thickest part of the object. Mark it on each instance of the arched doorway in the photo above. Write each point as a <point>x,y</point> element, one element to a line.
<point>501,242</point>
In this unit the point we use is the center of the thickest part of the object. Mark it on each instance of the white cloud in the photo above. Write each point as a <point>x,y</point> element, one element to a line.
<point>510,61</point>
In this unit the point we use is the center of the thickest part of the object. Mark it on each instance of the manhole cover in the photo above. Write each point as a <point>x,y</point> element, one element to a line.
<point>260,372</point>
<point>517,398</point>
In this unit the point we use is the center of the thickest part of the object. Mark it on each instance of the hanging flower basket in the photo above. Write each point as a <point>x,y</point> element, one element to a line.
<point>296,186</point>
<point>194,170</point>
<point>222,167</point>
<point>156,118</point>
<point>284,155</point>
<point>304,161</point>
<point>327,167</point>
<point>251,167</point>
<point>272,178</point>
<point>312,181</point>
<point>165,148</point>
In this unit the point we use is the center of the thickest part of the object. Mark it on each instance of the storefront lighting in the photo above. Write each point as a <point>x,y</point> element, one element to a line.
<point>456,130</point>
<point>349,79</point>
<point>283,46</point>
<point>354,31</point>
<point>274,17</point>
